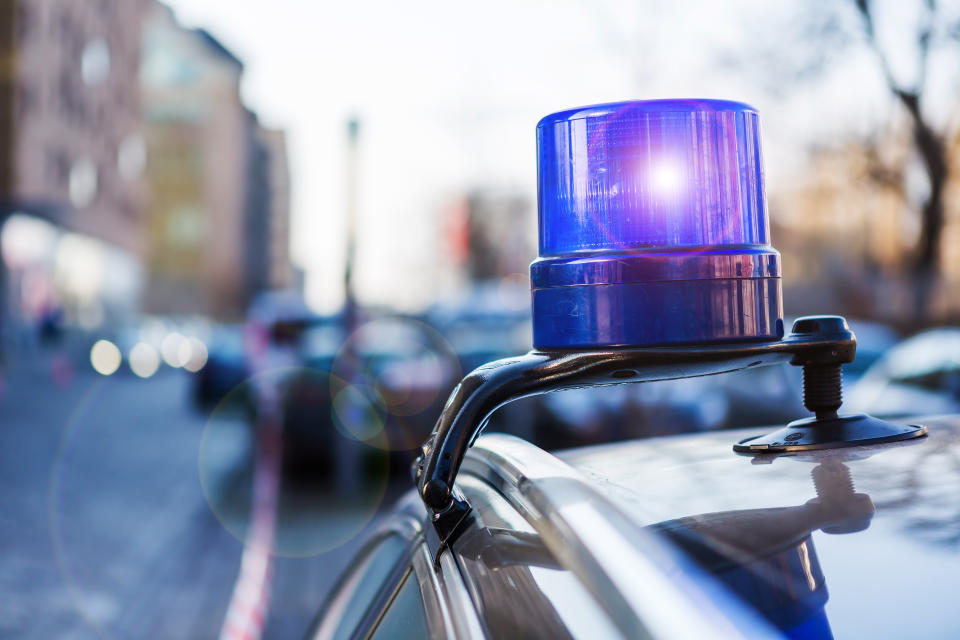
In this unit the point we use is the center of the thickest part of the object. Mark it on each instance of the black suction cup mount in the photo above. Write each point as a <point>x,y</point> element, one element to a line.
<point>830,433</point>
<point>823,395</point>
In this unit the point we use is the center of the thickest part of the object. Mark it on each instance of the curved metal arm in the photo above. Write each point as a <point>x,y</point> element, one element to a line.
<point>495,384</point>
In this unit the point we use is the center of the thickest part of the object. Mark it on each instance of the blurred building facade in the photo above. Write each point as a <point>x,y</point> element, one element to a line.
<point>268,211</point>
<point>132,177</point>
<point>71,155</point>
<point>217,180</point>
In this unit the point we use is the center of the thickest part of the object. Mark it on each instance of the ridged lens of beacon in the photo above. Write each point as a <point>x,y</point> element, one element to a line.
<point>653,228</point>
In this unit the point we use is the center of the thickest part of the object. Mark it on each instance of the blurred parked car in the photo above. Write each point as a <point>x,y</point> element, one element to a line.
<point>751,397</point>
<point>921,375</point>
<point>588,416</point>
<point>480,338</point>
<point>382,385</point>
<point>276,321</point>
<point>225,370</point>
<point>481,329</point>
<point>874,340</point>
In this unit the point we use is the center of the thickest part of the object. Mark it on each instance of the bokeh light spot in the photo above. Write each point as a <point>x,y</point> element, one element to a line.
<point>193,355</point>
<point>358,412</point>
<point>144,360</point>
<point>105,357</point>
<point>170,349</point>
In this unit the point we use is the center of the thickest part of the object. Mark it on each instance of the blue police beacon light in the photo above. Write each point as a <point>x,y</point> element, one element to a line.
<point>653,227</point>
<point>655,263</point>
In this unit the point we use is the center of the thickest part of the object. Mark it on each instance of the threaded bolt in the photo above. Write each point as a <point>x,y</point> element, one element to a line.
<point>823,389</point>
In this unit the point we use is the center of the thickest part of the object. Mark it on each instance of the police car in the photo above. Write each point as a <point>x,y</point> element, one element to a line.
<point>655,263</point>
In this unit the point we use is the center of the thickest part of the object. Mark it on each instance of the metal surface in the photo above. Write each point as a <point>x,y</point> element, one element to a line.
<point>439,620</point>
<point>892,573</point>
<point>627,571</point>
<point>454,591</point>
<point>518,587</point>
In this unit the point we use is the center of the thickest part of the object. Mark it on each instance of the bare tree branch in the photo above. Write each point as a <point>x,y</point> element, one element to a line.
<point>866,12</point>
<point>924,37</point>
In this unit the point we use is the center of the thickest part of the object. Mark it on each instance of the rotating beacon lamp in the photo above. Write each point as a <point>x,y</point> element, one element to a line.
<point>655,263</point>
<point>653,227</point>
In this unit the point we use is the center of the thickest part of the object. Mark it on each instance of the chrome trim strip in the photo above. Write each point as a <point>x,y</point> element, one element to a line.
<point>450,611</point>
<point>634,576</point>
<point>435,607</point>
<point>464,613</point>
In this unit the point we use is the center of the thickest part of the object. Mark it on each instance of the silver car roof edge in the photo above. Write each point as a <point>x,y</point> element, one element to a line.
<point>648,588</point>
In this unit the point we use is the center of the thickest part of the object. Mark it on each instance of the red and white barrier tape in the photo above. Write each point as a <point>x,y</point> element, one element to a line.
<point>250,603</point>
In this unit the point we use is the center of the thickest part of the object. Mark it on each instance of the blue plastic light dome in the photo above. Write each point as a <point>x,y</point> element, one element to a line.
<point>653,227</point>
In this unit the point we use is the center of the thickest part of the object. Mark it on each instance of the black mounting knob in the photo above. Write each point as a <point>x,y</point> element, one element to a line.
<point>823,370</point>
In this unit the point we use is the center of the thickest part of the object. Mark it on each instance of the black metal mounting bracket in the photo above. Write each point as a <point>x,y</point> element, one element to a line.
<point>821,344</point>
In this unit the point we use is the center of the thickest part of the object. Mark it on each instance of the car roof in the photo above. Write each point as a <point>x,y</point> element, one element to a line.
<point>630,573</point>
<point>893,518</point>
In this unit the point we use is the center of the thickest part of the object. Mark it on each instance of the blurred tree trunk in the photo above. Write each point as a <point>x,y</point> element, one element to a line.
<point>930,147</point>
<point>926,261</point>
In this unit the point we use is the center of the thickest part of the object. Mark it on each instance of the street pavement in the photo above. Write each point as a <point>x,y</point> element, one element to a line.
<point>123,510</point>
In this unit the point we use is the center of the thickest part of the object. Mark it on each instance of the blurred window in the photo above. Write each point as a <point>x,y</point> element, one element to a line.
<point>167,64</point>
<point>132,156</point>
<point>184,227</point>
<point>371,577</point>
<point>24,21</point>
<point>83,183</point>
<point>26,99</point>
<point>405,616</point>
<point>95,62</point>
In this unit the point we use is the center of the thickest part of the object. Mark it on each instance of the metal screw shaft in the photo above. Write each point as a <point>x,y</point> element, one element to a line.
<point>823,389</point>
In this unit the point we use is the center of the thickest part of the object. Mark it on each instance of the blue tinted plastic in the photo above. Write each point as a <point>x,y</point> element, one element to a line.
<point>816,627</point>
<point>652,217</point>
<point>657,313</point>
<point>657,173</point>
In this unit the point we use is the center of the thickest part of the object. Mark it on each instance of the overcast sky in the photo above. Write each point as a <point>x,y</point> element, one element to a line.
<point>449,94</point>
